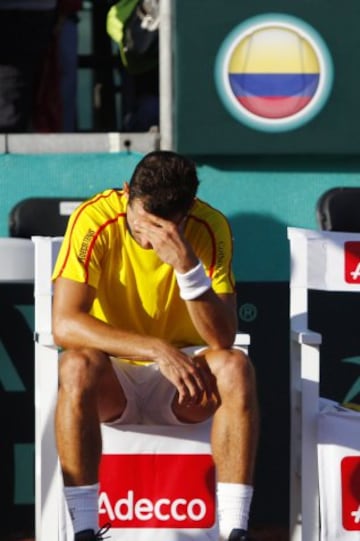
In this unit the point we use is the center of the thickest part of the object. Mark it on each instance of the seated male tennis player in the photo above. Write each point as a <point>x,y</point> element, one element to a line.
<point>144,272</point>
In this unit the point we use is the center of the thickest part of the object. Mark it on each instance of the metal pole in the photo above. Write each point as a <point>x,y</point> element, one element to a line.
<point>166,76</point>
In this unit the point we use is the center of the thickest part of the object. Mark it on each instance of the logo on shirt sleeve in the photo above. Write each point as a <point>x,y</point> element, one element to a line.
<point>85,245</point>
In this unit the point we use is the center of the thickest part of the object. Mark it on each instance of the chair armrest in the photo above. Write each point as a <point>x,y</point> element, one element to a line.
<point>242,339</point>
<point>306,336</point>
<point>44,339</point>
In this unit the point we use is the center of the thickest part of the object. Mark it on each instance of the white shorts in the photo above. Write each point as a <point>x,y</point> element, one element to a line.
<point>149,394</point>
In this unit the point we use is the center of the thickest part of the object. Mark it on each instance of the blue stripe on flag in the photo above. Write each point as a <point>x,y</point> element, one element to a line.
<point>274,84</point>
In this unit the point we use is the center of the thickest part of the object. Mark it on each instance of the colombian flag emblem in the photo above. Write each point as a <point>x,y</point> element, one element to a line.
<point>274,73</point>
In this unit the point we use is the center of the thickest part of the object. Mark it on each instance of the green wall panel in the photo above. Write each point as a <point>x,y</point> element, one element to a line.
<point>204,126</point>
<point>261,204</point>
<point>260,197</point>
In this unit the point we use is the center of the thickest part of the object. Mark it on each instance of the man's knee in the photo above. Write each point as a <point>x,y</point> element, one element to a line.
<point>234,372</point>
<point>81,368</point>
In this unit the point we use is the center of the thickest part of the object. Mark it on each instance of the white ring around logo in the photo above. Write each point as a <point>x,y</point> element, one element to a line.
<point>306,32</point>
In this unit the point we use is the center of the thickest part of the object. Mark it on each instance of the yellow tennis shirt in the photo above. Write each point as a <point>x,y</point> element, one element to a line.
<point>135,290</point>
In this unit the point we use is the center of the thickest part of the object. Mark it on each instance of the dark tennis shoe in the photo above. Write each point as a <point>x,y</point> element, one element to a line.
<point>239,535</point>
<point>90,535</point>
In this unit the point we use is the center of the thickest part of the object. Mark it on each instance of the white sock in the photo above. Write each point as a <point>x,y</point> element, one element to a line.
<point>83,507</point>
<point>234,502</point>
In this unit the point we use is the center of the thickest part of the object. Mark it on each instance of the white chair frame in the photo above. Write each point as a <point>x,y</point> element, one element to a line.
<point>317,262</point>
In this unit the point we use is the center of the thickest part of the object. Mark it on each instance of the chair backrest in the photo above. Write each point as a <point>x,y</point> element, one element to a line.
<point>338,210</point>
<point>324,261</point>
<point>41,216</point>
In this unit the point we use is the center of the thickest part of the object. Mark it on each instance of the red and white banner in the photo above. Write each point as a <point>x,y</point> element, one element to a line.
<point>350,493</point>
<point>352,262</point>
<point>339,473</point>
<point>157,491</point>
<point>158,482</point>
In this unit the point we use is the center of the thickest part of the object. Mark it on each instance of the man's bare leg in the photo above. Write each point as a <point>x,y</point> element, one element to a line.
<point>234,434</point>
<point>235,427</point>
<point>87,389</point>
<point>234,439</point>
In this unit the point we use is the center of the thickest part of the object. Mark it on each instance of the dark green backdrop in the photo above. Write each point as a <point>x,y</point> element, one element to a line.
<point>203,125</point>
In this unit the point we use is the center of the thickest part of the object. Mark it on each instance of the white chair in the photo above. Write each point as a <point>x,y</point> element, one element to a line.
<point>320,260</point>
<point>122,447</point>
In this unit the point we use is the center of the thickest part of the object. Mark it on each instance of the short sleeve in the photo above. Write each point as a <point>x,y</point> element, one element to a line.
<point>82,250</point>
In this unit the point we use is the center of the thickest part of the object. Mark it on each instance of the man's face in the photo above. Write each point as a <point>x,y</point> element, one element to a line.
<point>136,215</point>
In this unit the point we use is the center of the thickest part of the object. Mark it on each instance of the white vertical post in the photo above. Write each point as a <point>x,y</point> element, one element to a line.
<point>304,398</point>
<point>298,320</point>
<point>166,76</point>
<point>46,382</point>
<point>310,377</point>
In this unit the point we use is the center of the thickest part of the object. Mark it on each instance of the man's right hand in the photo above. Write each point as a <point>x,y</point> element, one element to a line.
<point>189,375</point>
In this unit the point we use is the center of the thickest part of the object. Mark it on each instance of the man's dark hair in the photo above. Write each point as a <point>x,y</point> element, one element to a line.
<point>165,182</point>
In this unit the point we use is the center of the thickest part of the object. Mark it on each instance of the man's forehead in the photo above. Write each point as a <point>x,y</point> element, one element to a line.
<point>137,206</point>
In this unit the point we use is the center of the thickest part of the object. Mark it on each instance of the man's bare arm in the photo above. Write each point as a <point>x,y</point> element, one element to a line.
<point>75,328</point>
<point>214,316</point>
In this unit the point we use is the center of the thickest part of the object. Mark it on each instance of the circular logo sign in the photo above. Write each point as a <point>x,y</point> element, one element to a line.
<point>273,73</point>
<point>248,312</point>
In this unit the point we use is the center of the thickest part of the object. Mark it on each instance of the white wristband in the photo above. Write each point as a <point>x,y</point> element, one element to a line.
<point>193,283</point>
